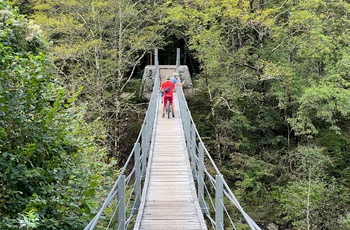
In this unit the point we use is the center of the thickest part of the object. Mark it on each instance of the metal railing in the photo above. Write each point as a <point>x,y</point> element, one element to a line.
<point>124,199</point>
<point>214,195</point>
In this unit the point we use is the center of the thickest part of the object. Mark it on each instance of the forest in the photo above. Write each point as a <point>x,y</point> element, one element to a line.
<point>270,98</point>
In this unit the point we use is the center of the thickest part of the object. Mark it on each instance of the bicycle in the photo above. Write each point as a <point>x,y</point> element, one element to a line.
<point>168,107</point>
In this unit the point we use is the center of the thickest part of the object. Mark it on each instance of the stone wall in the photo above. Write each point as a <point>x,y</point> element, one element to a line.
<point>150,73</point>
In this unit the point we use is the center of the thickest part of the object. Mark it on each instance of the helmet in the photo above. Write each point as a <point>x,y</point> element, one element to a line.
<point>168,77</point>
<point>176,74</point>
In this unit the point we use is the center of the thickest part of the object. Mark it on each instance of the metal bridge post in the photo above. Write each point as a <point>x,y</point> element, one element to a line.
<point>144,150</point>
<point>187,125</point>
<point>149,124</point>
<point>193,150</point>
<point>136,205</point>
<point>121,203</point>
<point>219,203</point>
<point>200,179</point>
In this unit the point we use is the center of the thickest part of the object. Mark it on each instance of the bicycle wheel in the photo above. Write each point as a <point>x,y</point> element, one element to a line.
<point>168,109</point>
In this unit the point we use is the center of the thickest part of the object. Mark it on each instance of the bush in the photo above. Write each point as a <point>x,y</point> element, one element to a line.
<point>46,175</point>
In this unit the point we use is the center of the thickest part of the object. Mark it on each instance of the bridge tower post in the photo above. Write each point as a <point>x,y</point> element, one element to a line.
<point>177,59</point>
<point>144,150</point>
<point>193,150</point>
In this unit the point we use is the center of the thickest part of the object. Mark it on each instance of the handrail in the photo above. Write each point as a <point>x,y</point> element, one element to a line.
<point>197,154</point>
<point>140,151</point>
<point>213,204</point>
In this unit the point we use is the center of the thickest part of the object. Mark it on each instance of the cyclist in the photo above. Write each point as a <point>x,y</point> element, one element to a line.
<point>168,87</point>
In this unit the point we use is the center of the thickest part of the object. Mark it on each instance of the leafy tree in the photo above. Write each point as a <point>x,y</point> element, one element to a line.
<point>273,84</point>
<point>274,76</point>
<point>305,200</point>
<point>98,45</point>
<point>47,180</point>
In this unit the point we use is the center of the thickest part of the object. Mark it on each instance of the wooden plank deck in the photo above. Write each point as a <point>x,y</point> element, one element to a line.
<point>169,200</point>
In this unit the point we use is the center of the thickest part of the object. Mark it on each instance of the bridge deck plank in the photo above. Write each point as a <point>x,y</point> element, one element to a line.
<point>170,200</point>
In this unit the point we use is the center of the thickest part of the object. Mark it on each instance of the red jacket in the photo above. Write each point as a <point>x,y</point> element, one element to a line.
<point>167,84</point>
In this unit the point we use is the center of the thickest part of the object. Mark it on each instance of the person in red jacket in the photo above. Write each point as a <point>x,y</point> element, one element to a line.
<point>168,87</point>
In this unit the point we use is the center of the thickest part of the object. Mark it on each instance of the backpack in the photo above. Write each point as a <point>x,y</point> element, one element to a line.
<point>167,89</point>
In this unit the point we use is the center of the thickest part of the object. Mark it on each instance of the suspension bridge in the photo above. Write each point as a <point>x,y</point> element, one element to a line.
<point>174,183</point>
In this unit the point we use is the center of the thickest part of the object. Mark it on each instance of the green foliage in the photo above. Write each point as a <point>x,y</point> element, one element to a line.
<point>326,101</point>
<point>304,200</point>
<point>252,182</point>
<point>274,76</point>
<point>336,148</point>
<point>28,221</point>
<point>98,45</point>
<point>344,222</point>
<point>46,179</point>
